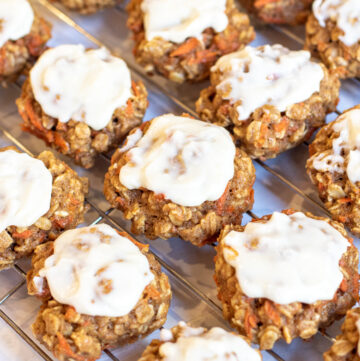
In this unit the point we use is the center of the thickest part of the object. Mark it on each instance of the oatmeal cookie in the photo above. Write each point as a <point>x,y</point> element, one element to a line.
<point>18,52</point>
<point>333,168</point>
<point>187,58</point>
<point>292,12</point>
<point>345,347</point>
<point>215,343</point>
<point>66,211</point>
<point>74,335</point>
<point>75,133</point>
<point>196,218</point>
<point>327,38</point>
<point>248,96</point>
<point>292,307</point>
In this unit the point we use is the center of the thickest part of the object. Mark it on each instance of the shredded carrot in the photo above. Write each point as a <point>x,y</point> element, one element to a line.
<point>343,285</point>
<point>249,323</point>
<point>228,43</point>
<point>63,221</point>
<point>214,276</point>
<point>282,125</point>
<point>74,201</point>
<point>204,56</point>
<point>345,200</point>
<point>152,292</point>
<point>272,312</point>
<point>34,44</point>
<point>134,88</point>
<point>262,3</point>
<point>70,313</point>
<point>159,196</point>
<point>220,203</point>
<point>288,212</point>
<point>343,219</point>
<point>185,48</point>
<point>23,235</point>
<point>133,240</point>
<point>34,119</point>
<point>321,187</point>
<point>61,142</point>
<point>129,108</point>
<point>61,126</point>
<point>66,349</point>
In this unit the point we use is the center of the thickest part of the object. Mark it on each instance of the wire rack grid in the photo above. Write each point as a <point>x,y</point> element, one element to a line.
<point>281,183</point>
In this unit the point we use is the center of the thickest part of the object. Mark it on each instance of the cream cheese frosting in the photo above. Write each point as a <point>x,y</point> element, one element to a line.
<point>97,271</point>
<point>290,258</point>
<point>70,82</point>
<point>177,157</point>
<point>177,20</point>
<point>25,189</point>
<point>270,74</point>
<point>16,19</point>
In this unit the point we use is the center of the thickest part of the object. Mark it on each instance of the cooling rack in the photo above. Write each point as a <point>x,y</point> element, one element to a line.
<point>280,183</point>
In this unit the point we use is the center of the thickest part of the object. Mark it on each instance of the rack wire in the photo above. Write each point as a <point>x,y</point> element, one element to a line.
<point>101,213</point>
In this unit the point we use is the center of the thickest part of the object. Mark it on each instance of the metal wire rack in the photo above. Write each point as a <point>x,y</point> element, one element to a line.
<point>189,269</point>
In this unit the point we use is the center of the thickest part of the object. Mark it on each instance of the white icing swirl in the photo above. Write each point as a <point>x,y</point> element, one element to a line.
<point>345,153</point>
<point>16,19</point>
<point>177,157</point>
<point>197,344</point>
<point>270,74</point>
<point>346,15</point>
<point>290,258</point>
<point>86,86</point>
<point>25,189</point>
<point>177,20</point>
<point>97,271</point>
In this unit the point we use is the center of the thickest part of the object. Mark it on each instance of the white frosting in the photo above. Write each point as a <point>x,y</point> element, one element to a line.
<point>25,189</point>
<point>16,19</point>
<point>287,259</point>
<point>270,74</point>
<point>131,140</point>
<point>176,20</point>
<point>87,86</point>
<point>197,344</point>
<point>346,15</point>
<point>348,142</point>
<point>97,271</point>
<point>177,157</point>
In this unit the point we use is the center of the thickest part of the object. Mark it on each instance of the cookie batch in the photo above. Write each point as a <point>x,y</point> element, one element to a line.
<point>185,177</point>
